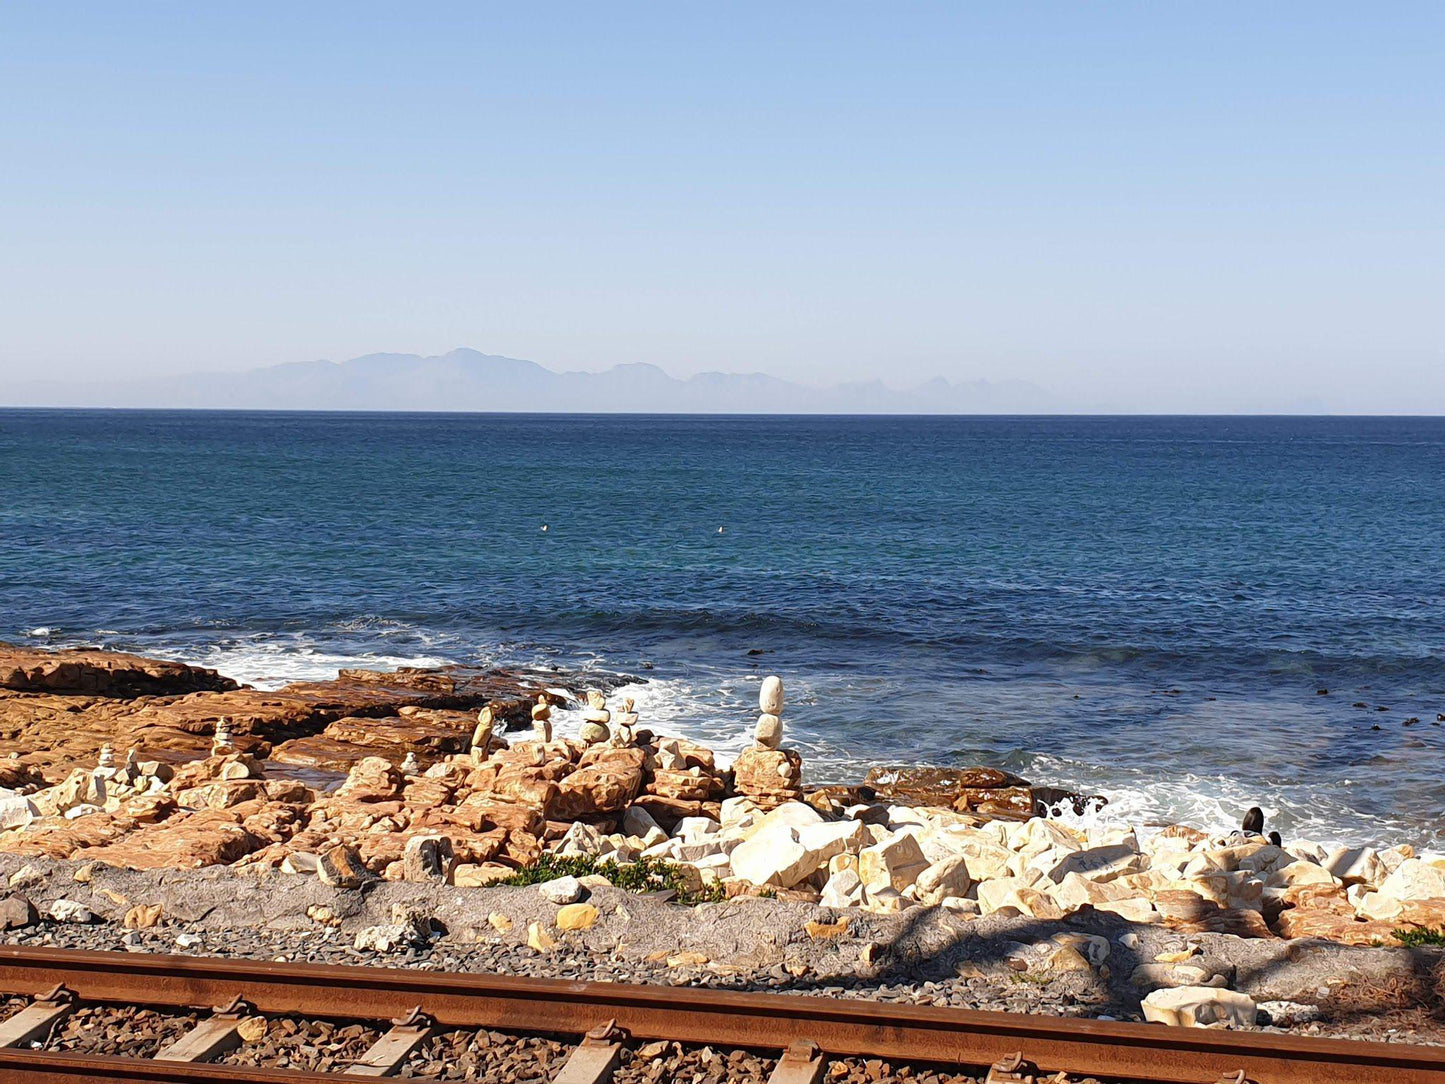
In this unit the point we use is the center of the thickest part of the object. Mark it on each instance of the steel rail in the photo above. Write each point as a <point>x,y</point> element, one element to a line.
<point>840,1027</point>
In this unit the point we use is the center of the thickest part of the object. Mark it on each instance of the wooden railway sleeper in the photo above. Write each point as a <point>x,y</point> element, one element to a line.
<point>389,1053</point>
<point>212,1037</point>
<point>38,1019</point>
<point>596,1058</point>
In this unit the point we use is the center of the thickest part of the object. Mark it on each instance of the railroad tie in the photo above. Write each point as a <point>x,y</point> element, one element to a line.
<point>388,1053</point>
<point>37,1019</point>
<point>801,1063</point>
<point>211,1037</point>
<point>595,1059</point>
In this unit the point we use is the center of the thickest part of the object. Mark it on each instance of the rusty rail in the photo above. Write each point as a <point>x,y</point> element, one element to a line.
<point>915,1034</point>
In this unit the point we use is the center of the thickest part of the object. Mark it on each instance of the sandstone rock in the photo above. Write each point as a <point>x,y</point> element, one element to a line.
<point>576,916</point>
<point>143,916</point>
<point>895,862</point>
<point>538,939</point>
<point>17,913</point>
<point>479,875</point>
<point>608,784</point>
<point>102,673</point>
<point>373,779</point>
<point>1200,1006</point>
<point>948,877</point>
<point>768,733</point>
<point>427,859</point>
<point>342,866</point>
<point>769,776</point>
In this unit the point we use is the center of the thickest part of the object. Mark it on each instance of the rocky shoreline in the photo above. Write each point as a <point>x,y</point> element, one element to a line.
<point>156,806</point>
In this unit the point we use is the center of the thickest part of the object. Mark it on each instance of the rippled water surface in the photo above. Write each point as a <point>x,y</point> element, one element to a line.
<point>1143,607</point>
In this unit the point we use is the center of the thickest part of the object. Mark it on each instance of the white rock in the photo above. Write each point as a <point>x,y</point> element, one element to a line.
<point>833,838</point>
<point>691,829</point>
<point>16,812</point>
<point>1097,863</point>
<point>843,889</point>
<point>1356,865</point>
<point>770,696</point>
<point>739,813</point>
<point>637,822</point>
<point>1414,879</point>
<point>387,938</point>
<point>1200,1006</point>
<point>561,890</point>
<point>774,856</point>
<point>790,814</point>
<point>63,910</point>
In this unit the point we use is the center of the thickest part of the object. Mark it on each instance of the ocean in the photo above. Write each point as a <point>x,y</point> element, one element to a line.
<point>1188,616</point>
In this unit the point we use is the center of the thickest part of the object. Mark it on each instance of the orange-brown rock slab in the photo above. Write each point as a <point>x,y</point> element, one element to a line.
<point>86,671</point>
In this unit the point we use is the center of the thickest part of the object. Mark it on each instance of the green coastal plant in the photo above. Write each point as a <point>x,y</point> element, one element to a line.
<point>644,875</point>
<point>1418,937</point>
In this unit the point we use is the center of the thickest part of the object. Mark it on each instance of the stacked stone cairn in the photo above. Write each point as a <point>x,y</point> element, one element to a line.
<point>481,743</point>
<point>595,719</point>
<point>222,741</point>
<point>767,773</point>
<point>624,724</point>
<point>542,719</point>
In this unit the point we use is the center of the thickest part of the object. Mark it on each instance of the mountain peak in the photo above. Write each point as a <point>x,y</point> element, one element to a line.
<point>466,379</point>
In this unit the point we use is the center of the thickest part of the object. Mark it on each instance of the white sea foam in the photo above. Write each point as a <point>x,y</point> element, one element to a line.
<point>270,664</point>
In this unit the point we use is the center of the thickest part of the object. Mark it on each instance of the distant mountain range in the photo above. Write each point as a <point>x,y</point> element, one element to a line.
<point>465,380</point>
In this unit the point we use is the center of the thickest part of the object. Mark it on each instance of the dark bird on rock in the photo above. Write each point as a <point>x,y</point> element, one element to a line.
<point>1254,822</point>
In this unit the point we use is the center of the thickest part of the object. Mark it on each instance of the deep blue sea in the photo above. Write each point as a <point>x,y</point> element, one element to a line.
<point>1142,607</point>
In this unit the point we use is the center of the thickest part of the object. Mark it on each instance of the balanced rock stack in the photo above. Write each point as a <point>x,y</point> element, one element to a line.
<point>222,743</point>
<point>482,735</point>
<point>542,719</point>
<point>595,719</point>
<point>624,724</point>
<point>765,772</point>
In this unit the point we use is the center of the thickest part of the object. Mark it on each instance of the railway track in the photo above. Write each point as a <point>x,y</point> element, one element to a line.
<point>600,1032</point>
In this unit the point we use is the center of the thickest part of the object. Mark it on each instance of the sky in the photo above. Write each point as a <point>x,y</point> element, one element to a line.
<point>1158,207</point>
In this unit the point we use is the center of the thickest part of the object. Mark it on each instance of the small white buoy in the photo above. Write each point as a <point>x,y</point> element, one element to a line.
<point>721,529</point>
<point>544,528</point>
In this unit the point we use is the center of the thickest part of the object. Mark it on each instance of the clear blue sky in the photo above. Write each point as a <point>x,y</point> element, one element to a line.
<point>1167,206</point>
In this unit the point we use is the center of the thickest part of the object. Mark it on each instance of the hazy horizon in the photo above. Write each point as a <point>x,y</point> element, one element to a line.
<point>466,381</point>
<point>1132,210</point>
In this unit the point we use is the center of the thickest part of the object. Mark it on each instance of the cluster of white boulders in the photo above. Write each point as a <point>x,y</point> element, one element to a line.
<point>886,858</point>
